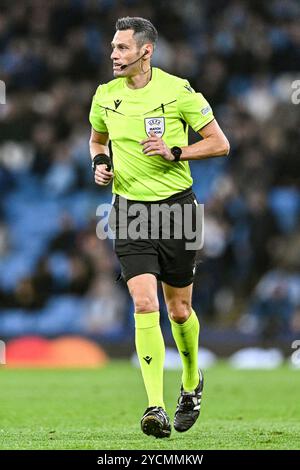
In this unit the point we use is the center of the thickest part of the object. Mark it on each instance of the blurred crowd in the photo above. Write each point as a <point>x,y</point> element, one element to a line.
<point>55,274</point>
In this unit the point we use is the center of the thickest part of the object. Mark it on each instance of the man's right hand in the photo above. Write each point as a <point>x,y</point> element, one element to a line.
<point>102,176</point>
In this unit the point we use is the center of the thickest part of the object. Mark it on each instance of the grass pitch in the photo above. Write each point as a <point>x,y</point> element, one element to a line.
<point>101,409</point>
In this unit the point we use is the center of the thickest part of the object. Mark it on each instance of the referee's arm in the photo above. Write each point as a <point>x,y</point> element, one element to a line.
<point>214,143</point>
<point>99,144</point>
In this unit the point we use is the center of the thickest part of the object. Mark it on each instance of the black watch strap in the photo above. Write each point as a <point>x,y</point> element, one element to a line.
<point>176,151</point>
<point>100,159</point>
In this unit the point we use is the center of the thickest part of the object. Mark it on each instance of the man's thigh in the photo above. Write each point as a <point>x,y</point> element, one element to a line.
<point>177,255</point>
<point>178,265</point>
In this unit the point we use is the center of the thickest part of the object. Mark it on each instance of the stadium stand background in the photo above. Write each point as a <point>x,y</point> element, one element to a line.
<point>56,276</point>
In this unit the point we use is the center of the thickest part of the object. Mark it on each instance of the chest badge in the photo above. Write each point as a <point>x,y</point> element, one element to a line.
<point>156,125</point>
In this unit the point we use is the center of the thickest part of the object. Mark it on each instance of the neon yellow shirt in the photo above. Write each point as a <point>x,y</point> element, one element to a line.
<point>167,105</point>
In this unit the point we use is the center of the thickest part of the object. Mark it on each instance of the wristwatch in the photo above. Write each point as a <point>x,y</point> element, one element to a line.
<point>176,152</point>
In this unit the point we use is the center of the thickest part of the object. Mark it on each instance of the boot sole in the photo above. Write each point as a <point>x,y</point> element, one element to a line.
<point>153,427</point>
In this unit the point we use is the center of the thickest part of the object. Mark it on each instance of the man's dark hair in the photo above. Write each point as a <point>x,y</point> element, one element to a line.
<point>143,30</point>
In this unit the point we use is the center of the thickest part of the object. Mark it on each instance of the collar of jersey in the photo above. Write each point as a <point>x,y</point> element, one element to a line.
<point>144,88</point>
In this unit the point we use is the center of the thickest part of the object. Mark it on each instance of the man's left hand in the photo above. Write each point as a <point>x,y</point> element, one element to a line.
<point>154,145</point>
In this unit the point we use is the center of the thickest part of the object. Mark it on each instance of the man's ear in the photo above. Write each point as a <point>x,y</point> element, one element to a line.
<point>147,53</point>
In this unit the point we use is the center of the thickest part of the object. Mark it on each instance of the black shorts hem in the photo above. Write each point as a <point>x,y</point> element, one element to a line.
<point>131,275</point>
<point>178,283</point>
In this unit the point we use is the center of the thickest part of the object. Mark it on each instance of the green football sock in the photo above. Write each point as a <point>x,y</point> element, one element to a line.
<point>150,349</point>
<point>186,336</point>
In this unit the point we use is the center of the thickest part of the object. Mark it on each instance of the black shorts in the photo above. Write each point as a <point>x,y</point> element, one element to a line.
<point>148,242</point>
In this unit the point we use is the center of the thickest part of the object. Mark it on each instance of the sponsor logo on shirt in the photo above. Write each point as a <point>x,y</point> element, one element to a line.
<point>117,103</point>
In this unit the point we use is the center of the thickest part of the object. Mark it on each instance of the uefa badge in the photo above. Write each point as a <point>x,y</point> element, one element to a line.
<point>156,125</point>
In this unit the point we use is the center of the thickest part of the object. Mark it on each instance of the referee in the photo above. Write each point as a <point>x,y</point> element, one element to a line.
<point>145,113</point>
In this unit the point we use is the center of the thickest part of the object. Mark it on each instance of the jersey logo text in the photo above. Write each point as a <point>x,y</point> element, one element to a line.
<point>156,125</point>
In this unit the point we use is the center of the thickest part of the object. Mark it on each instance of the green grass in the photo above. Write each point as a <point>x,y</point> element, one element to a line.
<point>101,409</point>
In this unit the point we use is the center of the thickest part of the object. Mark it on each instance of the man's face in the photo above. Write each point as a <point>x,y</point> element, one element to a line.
<point>125,51</point>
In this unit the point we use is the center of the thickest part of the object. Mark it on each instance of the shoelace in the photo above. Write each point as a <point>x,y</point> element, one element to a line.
<point>186,403</point>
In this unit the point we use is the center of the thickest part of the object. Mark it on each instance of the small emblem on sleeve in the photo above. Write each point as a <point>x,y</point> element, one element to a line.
<point>156,125</point>
<point>205,110</point>
<point>189,88</point>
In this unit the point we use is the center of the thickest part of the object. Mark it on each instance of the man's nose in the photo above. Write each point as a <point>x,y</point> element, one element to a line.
<point>114,55</point>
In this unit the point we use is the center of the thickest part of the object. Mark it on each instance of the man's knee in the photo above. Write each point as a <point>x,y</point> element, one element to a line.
<point>179,310</point>
<point>143,290</point>
<point>145,303</point>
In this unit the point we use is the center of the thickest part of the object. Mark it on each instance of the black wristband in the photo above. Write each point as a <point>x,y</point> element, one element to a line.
<point>100,159</point>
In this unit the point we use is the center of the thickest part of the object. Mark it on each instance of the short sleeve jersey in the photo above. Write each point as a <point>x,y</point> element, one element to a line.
<point>167,105</point>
